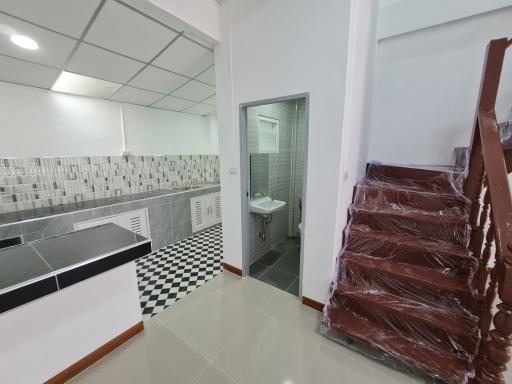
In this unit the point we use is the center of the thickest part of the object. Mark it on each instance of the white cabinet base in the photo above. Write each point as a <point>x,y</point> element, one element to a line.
<point>205,211</point>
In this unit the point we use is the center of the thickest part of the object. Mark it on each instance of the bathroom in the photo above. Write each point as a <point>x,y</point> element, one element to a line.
<point>106,124</point>
<point>276,156</point>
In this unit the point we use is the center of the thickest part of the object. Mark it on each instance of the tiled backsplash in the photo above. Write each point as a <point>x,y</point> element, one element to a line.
<point>39,182</point>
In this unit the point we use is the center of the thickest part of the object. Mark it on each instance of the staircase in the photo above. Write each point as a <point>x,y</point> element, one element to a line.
<point>405,287</point>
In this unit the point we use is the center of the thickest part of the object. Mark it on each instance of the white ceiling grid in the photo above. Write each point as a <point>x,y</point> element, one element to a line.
<point>157,65</point>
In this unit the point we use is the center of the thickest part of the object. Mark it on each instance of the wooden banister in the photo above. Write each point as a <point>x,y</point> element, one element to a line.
<point>488,170</point>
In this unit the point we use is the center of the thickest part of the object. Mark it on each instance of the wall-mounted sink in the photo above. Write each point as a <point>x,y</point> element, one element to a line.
<point>265,205</point>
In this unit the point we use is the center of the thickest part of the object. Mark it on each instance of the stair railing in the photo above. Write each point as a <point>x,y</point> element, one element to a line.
<point>492,214</point>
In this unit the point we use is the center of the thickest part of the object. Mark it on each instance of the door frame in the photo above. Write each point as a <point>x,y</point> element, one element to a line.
<point>245,172</point>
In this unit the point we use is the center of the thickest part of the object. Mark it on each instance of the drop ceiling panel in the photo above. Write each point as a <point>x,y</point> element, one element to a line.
<point>97,62</point>
<point>185,57</point>
<point>135,96</point>
<point>211,100</point>
<point>125,31</point>
<point>54,48</point>
<point>158,80</point>
<point>173,103</point>
<point>65,16</point>
<point>195,91</point>
<point>208,76</point>
<point>201,109</point>
<point>22,72</point>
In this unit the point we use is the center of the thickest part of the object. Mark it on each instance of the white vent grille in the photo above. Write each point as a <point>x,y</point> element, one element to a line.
<point>218,212</point>
<point>135,221</point>
<point>205,210</point>
<point>198,214</point>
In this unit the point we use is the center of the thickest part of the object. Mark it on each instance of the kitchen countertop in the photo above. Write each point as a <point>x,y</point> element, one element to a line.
<point>37,213</point>
<point>41,267</point>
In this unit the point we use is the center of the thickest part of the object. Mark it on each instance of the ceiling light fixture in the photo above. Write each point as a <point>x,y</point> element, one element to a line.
<point>24,42</point>
<point>84,85</point>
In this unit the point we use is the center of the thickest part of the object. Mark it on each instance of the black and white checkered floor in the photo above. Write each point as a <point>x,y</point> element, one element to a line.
<point>169,274</point>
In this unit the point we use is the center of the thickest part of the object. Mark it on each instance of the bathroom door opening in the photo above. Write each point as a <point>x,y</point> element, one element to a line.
<point>273,169</point>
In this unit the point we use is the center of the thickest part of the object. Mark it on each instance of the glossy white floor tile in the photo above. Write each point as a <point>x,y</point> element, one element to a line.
<point>210,322</point>
<point>268,351</point>
<point>155,356</point>
<point>288,309</point>
<point>212,375</point>
<point>237,331</point>
<point>331,364</point>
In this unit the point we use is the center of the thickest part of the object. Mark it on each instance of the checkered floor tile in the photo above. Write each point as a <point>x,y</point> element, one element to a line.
<point>167,275</point>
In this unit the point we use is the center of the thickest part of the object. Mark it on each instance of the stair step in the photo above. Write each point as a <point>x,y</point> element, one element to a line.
<point>439,179</point>
<point>408,281</point>
<point>438,317</point>
<point>412,250</point>
<point>444,365</point>
<point>410,272</point>
<point>454,229</point>
<point>438,327</point>
<point>372,193</point>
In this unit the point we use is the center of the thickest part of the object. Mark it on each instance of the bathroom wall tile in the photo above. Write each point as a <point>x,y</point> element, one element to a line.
<point>272,173</point>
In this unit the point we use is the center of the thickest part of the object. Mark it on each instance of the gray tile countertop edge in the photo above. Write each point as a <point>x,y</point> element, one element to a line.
<point>54,273</point>
<point>127,201</point>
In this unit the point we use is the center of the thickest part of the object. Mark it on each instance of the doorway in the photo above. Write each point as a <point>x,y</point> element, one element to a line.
<point>274,152</point>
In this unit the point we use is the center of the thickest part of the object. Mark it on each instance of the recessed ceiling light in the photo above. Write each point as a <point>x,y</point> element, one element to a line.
<point>24,42</point>
<point>84,85</point>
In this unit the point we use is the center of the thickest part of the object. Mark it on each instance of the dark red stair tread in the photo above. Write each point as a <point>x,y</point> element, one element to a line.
<point>450,322</point>
<point>438,179</point>
<point>420,216</point>
<point>410,241</point>
<point>415,189</point>
<point>423,275</point>
<point>376,193</point>
<point>445,365</point>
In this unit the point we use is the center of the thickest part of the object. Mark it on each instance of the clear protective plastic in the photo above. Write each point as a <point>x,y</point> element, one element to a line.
<point>404,286</point>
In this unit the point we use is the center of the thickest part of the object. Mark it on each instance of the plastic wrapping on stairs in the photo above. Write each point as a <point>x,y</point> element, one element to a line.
<point>404,285</point>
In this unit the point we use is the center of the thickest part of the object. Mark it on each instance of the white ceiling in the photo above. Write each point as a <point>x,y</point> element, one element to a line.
<point>158,65</point>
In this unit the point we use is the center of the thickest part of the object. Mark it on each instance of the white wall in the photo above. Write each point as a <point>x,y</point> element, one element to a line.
<point>148,130</point>
<point>46,336</point>
<point>362,50</point>
<point>402,16</point>
<point>36,122</point>
<point>277,48</point>
<point>427,86</point>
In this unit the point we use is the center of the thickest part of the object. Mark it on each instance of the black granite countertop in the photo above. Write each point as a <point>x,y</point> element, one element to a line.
<point>37,213</point>
<point>35,269</point>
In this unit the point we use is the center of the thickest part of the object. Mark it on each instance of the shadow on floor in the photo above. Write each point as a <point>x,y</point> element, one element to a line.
<point>279,267</point>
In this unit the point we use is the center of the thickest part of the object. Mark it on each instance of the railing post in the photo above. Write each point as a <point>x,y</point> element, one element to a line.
<point>487,159</point>
<point>497,353</point>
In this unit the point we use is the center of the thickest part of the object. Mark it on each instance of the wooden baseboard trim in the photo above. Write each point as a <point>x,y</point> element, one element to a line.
<point>312,303</point>
<point>93,357</point>
<point>235,270</point>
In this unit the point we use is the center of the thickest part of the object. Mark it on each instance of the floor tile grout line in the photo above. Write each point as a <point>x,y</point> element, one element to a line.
<point>234,334</point>
<point>293,282</point>
<point>211,360</point>
<point>311,363</point>
<point>200,373</point>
